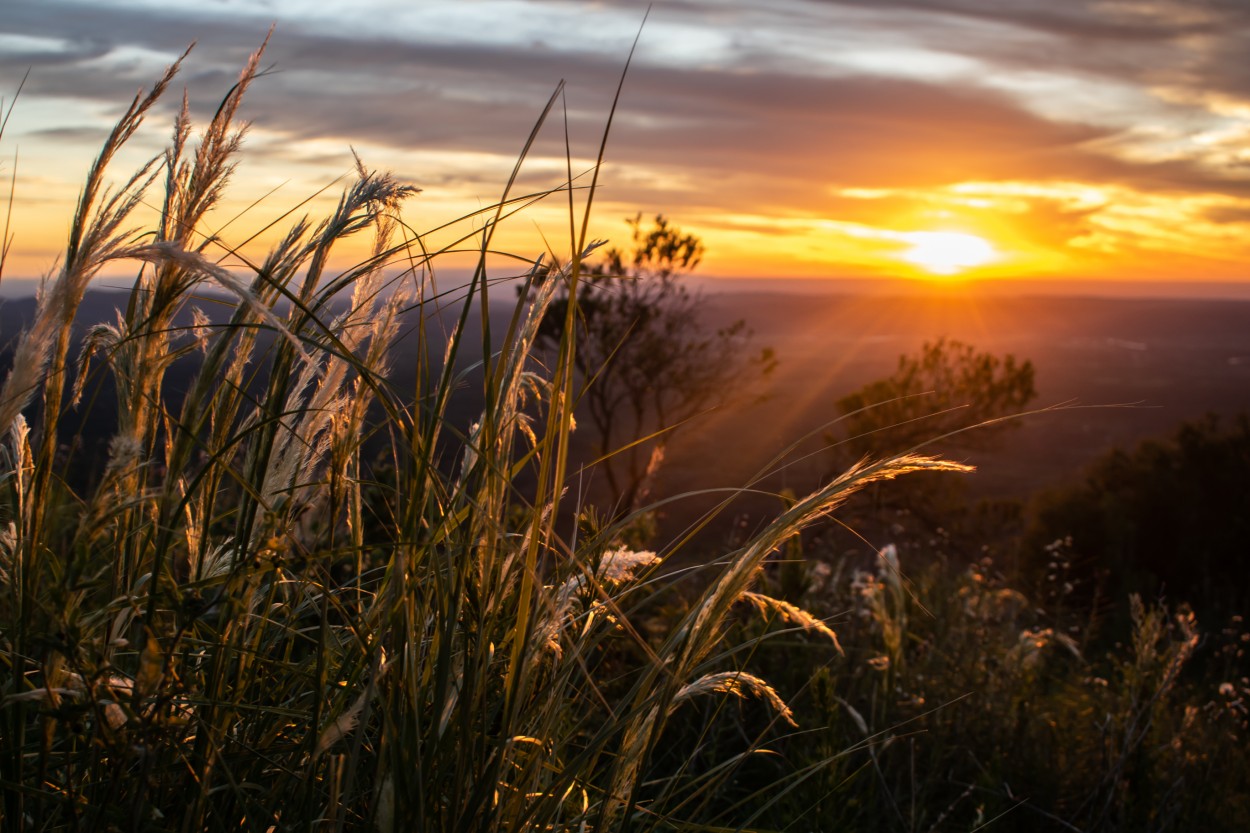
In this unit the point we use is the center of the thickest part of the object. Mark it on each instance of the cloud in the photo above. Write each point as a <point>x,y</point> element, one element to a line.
<point>418,91</point>
<point>90,135</point>
<point>730,106</point>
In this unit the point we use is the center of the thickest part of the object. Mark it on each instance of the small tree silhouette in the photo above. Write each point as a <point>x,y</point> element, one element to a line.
<point>648,359</point>
<point>946,387</point>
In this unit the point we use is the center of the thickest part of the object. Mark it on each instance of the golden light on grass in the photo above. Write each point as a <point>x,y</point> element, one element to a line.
<point>948,252</point>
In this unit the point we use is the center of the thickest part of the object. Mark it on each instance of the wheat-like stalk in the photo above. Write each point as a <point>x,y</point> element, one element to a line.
<point>791,613</point>
<point>740,684</point>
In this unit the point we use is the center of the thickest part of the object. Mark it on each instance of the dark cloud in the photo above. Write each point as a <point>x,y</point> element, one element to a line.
<point>1084,20</point>
<point>1198,44</point>
<point>875,132</point>
<point>445,91</point>
<point>91,63</point>
<point>90,135</point>
<point>760,136</point>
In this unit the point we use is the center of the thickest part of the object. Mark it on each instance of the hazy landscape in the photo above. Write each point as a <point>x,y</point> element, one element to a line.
<point>1111,372</point>
<point>1164,360</point>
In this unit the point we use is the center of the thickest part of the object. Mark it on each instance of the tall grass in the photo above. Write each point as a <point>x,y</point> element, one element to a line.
<point>242,624</point>
<point>963,701</point>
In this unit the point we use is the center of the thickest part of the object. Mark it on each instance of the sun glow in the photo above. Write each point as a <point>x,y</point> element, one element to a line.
<point>948,252</point>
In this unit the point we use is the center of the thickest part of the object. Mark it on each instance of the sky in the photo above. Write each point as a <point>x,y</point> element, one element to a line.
<point>938,139</point>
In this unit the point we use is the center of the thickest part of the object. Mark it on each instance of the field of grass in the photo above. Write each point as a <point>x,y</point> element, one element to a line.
<point>244,622</point>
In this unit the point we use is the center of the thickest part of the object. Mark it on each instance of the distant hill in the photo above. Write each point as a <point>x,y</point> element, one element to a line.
<point>1158,361</point>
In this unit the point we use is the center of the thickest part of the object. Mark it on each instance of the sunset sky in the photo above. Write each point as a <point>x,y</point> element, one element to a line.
<point>799,138</point>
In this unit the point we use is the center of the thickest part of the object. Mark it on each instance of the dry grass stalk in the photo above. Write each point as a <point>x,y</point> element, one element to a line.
<point>740,684</point>
<point>791,613</point>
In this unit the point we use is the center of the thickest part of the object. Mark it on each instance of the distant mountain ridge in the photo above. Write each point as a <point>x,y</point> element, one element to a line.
<point>1170,360</point>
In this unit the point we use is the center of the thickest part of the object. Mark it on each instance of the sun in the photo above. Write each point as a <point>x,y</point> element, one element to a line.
<point>948,252</point>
